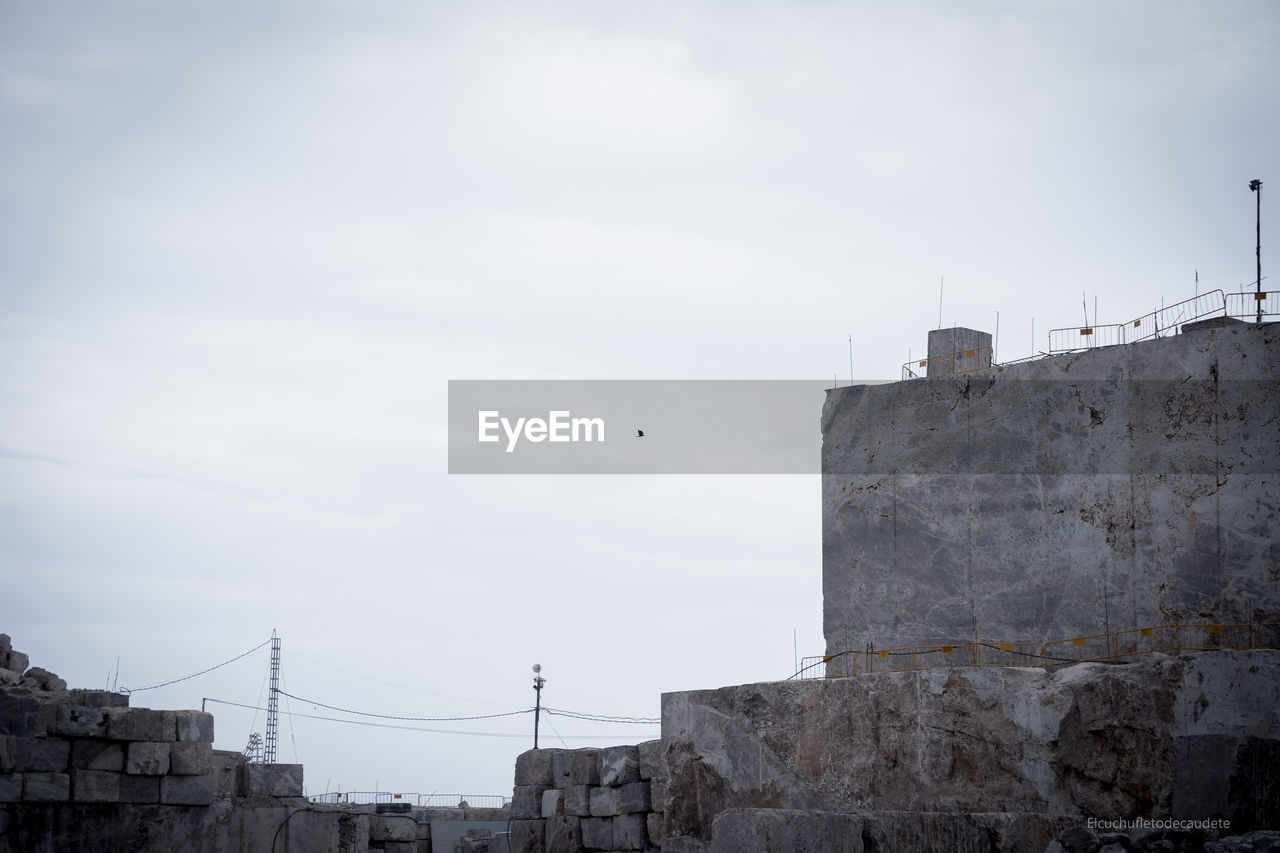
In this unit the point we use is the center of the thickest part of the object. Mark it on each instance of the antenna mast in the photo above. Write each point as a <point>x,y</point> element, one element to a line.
<point>273,703</point>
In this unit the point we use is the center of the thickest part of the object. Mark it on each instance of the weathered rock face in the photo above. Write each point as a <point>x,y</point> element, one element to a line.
<point>1120,488</point>
<point>1137,739</point>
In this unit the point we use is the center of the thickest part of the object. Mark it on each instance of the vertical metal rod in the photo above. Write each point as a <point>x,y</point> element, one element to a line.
<point>538,681</point>
<point>1256,186</point>
<point>273,703</point>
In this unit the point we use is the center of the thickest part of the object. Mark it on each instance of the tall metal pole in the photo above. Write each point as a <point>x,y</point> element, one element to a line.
<point>538,681</point>
<point>1256,186</point>
<point>273,703</point>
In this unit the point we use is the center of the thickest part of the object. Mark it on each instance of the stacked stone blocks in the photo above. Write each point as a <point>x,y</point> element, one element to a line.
<point>85,746</point>
<point>588,800</point>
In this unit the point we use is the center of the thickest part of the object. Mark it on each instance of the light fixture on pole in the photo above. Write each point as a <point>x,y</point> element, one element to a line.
<point>538,681</point>
<point>1256,186</point>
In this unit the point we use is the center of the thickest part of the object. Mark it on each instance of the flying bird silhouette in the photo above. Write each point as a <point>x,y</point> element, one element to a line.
<point>639,433</point>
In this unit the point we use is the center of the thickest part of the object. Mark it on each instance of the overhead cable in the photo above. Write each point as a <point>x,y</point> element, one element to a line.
<point>413,728</point>
<point>195,674</point>
<point>410,719</point>
<point>602,718</point>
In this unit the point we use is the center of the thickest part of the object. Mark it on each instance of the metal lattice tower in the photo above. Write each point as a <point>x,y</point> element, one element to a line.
<point>273,701</point>
<point>253,749</point>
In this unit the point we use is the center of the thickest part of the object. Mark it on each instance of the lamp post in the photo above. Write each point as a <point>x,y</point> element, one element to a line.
<point>538,681</point>
<point>1256,186</point>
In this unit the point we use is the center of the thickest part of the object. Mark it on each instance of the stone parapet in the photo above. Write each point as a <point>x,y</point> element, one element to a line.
<point>572,801</point>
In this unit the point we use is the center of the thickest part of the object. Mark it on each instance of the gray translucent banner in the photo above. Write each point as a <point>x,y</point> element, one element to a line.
<point>593,426</point>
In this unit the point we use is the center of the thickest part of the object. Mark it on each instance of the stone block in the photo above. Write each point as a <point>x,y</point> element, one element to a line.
<point>139,789</point>
<point>39,678</point>
<point>619,765</point>
<point>10,787</point>
<point>655,824</point>
<point>7,678</point>
<point>35,754</point>
<point>633,797</point>
<point>400,847</point>
<point>147,758</point>
<point>534,768</point>
<point>271,780</point>
<point>24,714</point>
<point>226,772</point>
<point>98,698</point>
<point>388,827</point>
<point>552,802</point>
<point>79,721</point>
<point>526,802</point>
<point>629,832</point>
<point>564,834</point>
<point>574,767</point>
<point>191,758</point>
<point>597,834</point>
<point>186,790</point>
<point>528,836</point>
<point>767,830</point>
<point>652,763</point>
<point>577,800</point>
<point>95,786</point>
<point>605,802</point>
<point>17,662</point>
<point>46,787</point>
<point>658,793</point>
<point>193,726</point>
<point>141,724</point>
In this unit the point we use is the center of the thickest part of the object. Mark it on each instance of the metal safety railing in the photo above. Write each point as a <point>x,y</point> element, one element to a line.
<point>1172,639</point>
<point>1247,305</point>
<point>439,801</point>
<point>968,360</point>
<point>1168,320</point>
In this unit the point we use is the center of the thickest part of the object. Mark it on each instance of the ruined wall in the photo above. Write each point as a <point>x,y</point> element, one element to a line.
<point>82,771</point>
<point>1190,737</point>
<point>574,800</point>
<point>1119,488</point>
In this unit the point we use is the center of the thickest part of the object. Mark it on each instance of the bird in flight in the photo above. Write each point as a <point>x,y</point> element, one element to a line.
<point>639,433</point>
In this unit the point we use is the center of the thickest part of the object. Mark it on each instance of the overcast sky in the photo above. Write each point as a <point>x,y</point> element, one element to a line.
<point>244,246</point>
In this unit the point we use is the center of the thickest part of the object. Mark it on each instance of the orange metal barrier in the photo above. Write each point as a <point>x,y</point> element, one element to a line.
<point>1173,639</point>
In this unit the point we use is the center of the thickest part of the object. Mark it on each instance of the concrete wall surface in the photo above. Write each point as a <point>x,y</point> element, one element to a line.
<point>1119,488</point>
<point>1194,736</point>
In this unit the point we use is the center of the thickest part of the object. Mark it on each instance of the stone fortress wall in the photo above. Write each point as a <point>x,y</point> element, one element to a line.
<point>82,771</point>
<point>1120,488</point>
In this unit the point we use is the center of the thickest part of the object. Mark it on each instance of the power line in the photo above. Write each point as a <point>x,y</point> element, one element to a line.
<point>519,735</point>
<point>195,674</point>
<point>603,718</point>
<point>410,719</point>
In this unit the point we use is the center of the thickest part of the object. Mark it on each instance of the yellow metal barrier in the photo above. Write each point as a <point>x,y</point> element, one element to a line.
<point>1172,639</point>
<point>1021,653</point>
<point>1211,638</point>
<point>1077,649</point>
<point>1140,641</point>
